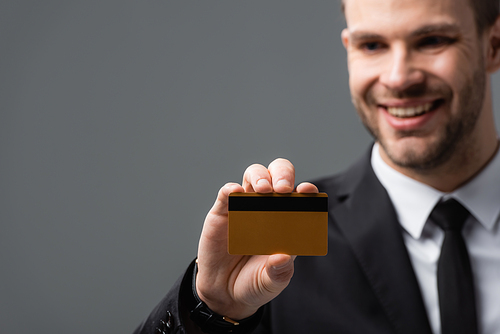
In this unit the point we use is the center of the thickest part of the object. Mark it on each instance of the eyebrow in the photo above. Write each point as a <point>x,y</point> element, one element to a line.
<point>436,28</point>
<point>422,31</point>
<point>363,36</point>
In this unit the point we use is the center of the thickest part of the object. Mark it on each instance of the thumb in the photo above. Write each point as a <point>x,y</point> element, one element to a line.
<point>279,269</point>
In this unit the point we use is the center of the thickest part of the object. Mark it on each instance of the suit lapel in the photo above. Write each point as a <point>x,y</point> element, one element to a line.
<point>368,221</point>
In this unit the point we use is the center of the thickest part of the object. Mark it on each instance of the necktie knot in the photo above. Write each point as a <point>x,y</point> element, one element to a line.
<point>450,215</point>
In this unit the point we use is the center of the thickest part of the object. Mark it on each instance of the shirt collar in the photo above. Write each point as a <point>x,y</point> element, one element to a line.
<point>414,201</point>
<point>481,195</point>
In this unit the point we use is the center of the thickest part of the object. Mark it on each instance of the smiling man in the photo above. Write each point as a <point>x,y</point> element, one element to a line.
<point>418,77</point>
<point>414,241</point>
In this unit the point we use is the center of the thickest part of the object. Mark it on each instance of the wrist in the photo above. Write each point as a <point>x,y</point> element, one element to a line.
<point>219,306</point>
<point>215,323</point>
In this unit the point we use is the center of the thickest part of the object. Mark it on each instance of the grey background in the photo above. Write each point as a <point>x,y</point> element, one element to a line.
<point>119,122</point>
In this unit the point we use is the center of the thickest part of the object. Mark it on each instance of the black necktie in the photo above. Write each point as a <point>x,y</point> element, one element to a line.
<point>454,275</point>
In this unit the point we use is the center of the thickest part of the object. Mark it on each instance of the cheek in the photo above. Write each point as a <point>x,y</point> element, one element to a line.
<point>452,70</point>
<point>445,69</point>
<point>362,76</point>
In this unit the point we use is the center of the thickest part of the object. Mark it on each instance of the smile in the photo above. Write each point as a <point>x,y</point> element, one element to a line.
<point>412,111</point>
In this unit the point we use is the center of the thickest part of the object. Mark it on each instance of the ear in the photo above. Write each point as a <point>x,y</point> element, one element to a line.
<point>493,47</point>
<point>345,37</point>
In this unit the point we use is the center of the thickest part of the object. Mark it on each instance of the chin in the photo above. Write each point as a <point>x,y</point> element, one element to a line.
<point>414,154</point>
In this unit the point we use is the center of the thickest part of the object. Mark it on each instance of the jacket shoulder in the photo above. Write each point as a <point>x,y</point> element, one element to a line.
<point>344,183</point>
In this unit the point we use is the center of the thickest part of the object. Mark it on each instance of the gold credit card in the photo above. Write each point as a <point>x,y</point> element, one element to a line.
<point>264,224</point>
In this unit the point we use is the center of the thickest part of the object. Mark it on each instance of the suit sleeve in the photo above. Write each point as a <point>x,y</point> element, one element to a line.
<point>171,315</point>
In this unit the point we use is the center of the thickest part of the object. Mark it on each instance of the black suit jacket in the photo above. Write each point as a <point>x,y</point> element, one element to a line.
<point>366,283</point>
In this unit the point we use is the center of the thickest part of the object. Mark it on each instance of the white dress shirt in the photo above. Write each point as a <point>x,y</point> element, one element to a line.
<point>414,201</point>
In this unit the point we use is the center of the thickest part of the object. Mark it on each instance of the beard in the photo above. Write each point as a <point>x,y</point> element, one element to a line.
<point>452,139</point>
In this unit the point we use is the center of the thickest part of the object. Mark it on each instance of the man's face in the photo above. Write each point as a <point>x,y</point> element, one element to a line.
<point>417,76</point>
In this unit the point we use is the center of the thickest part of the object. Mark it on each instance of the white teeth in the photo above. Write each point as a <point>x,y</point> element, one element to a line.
<point>409,111</point>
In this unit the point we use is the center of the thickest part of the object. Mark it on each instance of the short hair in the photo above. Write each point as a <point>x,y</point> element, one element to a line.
<point>485,12</point>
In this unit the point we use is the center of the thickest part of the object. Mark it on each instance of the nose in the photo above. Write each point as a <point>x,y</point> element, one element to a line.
<point>401,72</point>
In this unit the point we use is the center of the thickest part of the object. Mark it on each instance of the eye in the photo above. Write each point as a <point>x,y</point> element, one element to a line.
<point>431,42</point>
<point>372,47</point>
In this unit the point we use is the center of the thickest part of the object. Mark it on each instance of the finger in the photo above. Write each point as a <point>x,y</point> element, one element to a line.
<point>307,188</point>
<point>217,216</point>
<point>213,240</point>
<point>283,175</point>
<point>257,179</point>
<point>279,270</point>
<point>220,205</point>
<point>278,260</point>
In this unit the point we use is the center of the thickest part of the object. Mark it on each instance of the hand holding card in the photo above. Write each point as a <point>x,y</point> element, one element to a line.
<point>236,286</point>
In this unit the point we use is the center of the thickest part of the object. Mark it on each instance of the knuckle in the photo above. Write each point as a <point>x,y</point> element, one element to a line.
<point>282,163</point>
<point>255,172</point>
<point>284,160</point>
<point>284,276</point>
<point>254,167</point>
<point>226,190</point>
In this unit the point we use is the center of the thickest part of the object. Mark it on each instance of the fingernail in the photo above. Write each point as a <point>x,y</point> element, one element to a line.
<point>277,268</point>
<point>263,182</point>
<point>283,183</point>
<point>283,266</point>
